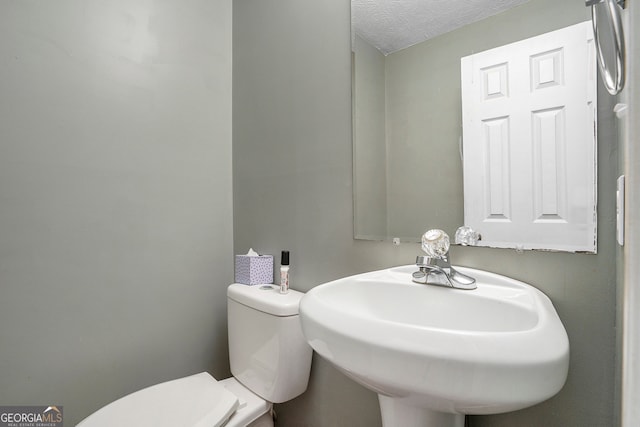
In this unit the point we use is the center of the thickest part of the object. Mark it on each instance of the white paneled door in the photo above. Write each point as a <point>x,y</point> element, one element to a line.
<point>529,132</point>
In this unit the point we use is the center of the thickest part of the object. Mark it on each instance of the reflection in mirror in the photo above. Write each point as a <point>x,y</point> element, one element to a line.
<point>407,112</point>
<point>528,113</point>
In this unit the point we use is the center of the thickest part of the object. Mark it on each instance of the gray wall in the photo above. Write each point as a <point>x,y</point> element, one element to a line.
<point>292,189</point>
<point>628,266</point>
<point>115,197</point>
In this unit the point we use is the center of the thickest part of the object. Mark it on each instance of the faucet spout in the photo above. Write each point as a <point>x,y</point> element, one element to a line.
<point>438,271</point>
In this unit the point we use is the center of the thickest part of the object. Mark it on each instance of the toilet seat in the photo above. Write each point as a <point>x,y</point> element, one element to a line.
<point>250,408</point>
<point>195,401</point>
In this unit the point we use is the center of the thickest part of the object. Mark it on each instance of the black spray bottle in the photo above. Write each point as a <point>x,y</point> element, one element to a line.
<point>284,272</point>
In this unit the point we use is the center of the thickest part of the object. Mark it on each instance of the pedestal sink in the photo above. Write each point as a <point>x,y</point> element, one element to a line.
<point>434,354</point>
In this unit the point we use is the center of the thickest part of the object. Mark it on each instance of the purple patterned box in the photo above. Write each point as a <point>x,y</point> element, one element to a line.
<point>254,269</point>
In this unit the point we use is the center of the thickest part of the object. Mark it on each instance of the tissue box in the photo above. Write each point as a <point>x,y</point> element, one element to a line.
<point>254,269</point>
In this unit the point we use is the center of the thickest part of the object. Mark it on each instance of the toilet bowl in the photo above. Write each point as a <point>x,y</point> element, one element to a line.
<point>270,363</point>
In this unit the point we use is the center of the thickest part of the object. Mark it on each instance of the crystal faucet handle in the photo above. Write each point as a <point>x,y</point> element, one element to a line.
<point>467,236</point>
<point>435,243</point>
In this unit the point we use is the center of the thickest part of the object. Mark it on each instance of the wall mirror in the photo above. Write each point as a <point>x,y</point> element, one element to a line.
<point>407,104</point>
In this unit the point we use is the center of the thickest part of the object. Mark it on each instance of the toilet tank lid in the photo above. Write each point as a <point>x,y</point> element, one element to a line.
<point>266,298</point>
<point>195,401</point>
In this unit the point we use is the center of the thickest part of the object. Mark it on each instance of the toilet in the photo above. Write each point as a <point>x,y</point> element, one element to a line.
<point>270,363</point>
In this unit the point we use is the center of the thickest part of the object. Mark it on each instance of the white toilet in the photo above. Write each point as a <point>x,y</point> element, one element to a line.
<point>270,362</point>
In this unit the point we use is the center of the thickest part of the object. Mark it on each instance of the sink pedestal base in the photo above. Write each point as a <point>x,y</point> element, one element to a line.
<point>395,413</point>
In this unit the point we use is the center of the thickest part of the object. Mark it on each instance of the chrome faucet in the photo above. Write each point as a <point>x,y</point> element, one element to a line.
<point>435,268</point>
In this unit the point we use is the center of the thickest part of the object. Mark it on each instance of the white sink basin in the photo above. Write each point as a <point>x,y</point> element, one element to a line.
<point>431,352</point>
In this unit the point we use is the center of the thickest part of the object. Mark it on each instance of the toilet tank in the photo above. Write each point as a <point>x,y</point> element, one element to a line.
<point>267,351</point>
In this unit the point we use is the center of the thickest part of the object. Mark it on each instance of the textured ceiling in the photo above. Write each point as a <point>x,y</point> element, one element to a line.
<point>391,25</point>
